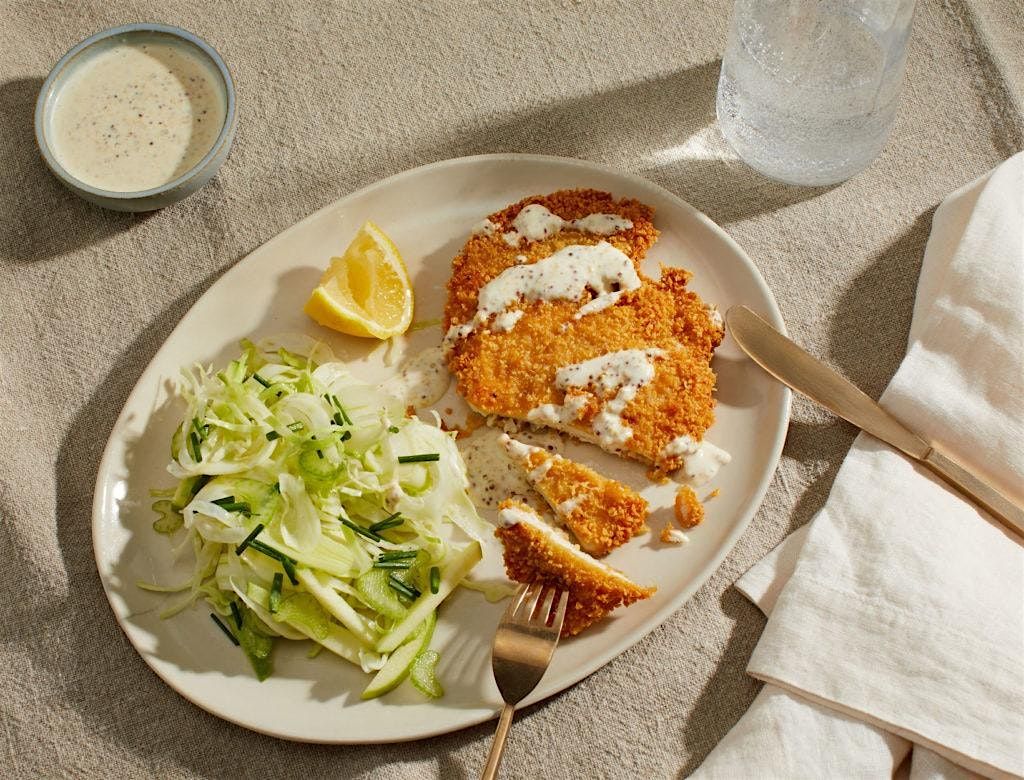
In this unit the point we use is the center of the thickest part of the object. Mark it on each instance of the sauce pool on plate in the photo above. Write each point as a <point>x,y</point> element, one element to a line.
<point>137,115</point>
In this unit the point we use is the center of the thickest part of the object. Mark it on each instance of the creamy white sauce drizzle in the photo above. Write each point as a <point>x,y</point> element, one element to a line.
<point>559,415</point>
<point>536,223</point>
<point>455,333</point>
<point>602,224</point>
<point>422,381</point>
<point>514,516</point>
<point>537,474</point>
<point>714,315</point>
<point>701,459</point>
<point>622,373</point>
<point>570,505</point>
<point>675,536</point>
<point>600,303</point>
<point>484,228</point>
<point>565,275</point>
<point>506,320</point>
<point>517,450</point>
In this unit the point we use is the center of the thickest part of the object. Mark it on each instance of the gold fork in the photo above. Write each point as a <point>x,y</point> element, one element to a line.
<point>523,646</point>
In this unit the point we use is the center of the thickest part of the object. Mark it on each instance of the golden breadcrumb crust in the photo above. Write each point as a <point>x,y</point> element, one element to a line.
<point>689,509</point>
<point>508,373</point>
<point>604,513</point>
<point>530,556</point>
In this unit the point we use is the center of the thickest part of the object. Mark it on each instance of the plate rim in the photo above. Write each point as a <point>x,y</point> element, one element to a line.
<point>676,602</point>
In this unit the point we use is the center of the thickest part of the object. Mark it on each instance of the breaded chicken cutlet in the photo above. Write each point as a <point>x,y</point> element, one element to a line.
<point>550,321</point>
<point>536,552</point>
<point>601,513</point>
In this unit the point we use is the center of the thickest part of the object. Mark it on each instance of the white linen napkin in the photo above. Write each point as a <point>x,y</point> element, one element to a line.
<point>897,615</point>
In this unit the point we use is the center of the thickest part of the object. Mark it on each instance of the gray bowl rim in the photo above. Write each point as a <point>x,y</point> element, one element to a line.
<point>140,27</point>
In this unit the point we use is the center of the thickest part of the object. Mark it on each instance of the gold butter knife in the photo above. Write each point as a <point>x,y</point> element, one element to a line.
<point>794,367</point>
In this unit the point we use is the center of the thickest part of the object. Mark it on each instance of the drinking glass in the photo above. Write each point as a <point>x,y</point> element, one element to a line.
<point>809,88</point>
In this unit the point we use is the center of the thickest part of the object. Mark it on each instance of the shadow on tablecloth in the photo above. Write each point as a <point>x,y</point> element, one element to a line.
<point>42,219</point>
<point>664,127</point>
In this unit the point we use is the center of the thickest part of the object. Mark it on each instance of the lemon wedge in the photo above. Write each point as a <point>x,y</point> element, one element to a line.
<point>366,291</point>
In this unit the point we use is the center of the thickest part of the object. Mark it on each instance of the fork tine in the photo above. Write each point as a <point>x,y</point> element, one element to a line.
<point>517,601</point>
<point>560,610</point>
<point>528,605</point>
<point>547,602</point>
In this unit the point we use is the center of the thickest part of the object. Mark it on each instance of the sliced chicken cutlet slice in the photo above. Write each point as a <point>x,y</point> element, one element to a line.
<point>552,323</point>
<point>601,513</point>
<point>538,552</point>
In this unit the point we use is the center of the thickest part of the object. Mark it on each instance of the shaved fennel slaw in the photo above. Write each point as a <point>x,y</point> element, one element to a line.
<point>314,508</point>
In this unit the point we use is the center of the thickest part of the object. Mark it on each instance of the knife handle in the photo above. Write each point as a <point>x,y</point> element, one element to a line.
<point>999,506</point>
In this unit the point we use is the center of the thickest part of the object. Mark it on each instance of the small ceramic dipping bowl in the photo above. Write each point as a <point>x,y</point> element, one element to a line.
<point>119,120</point>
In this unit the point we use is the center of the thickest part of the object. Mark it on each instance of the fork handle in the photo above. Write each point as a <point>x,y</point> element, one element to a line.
<point>498,745</point>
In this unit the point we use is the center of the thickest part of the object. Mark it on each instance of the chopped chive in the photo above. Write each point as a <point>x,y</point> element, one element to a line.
<point>428,458</point>
<point>337,419</point>
<point>261,380</point>
<point>360,530</point>
<point>406,590</point>
<point>271,435</point>
<point>286,563</point>
<point>275,593</point>
<point>236,613</point>
<point>346,435</point>
<point>333,399</point>
<point>223,501</point>
<point>388,522</point>
<point>435,579</point>
<point>193,440</point>
<point>237,506</point>
<point>294,426</point>
<point>397,555</point>
<point>320,454</point>
<point>406,564</point>
<point>289,568</point>
<point>225,629</point>
<point>249,539</point>
<point>393,428</point>
<point>267,550</point>
<point>199,428</point>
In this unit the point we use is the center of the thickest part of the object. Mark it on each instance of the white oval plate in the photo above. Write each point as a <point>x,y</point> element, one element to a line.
<point>428,212</point>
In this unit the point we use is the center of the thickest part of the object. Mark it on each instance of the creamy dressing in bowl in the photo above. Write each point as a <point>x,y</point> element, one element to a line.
<point>90,132</point>
<point>138,113</point>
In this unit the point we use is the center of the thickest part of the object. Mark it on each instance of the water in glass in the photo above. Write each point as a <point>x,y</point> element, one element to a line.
<point>809,88</point>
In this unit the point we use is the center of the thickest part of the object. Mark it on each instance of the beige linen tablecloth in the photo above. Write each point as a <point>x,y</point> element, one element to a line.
<point>333,96</point>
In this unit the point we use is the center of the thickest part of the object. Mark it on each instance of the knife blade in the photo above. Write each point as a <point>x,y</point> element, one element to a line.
<point>799,370</point>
